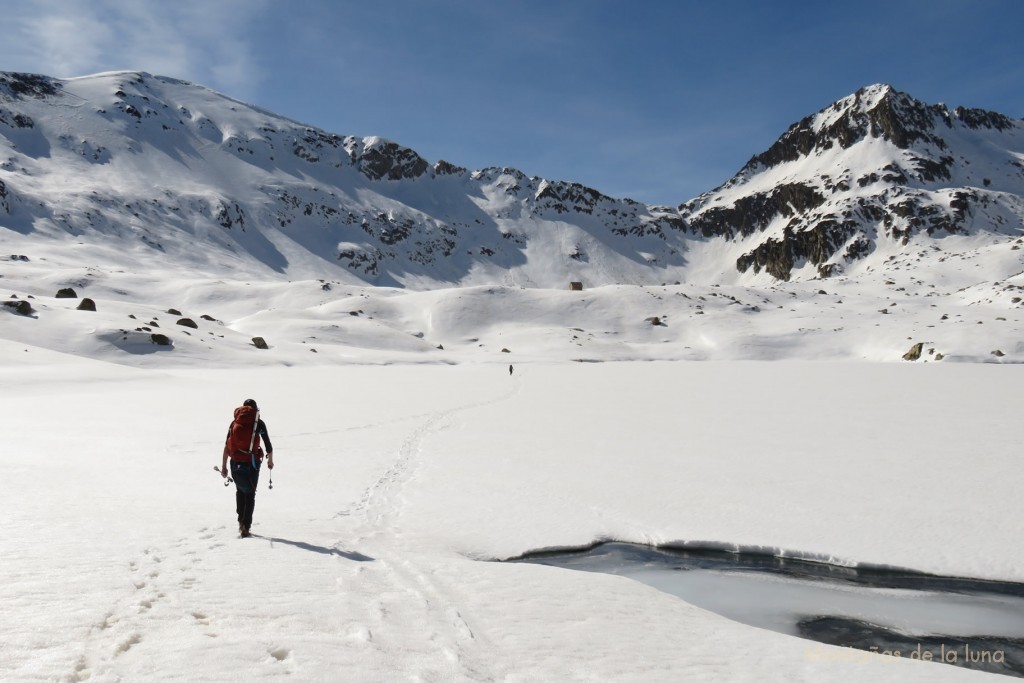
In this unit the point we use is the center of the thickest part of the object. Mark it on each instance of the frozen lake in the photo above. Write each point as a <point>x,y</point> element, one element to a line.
<point>964,622</point>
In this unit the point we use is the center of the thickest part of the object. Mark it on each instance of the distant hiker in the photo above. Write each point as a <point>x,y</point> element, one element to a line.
<point>510,370</point>
<point>242,446</point>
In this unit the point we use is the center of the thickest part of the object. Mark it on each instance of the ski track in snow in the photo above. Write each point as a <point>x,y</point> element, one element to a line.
<point>389,594</point>
<point>381,502</point>
<point>407,593</point>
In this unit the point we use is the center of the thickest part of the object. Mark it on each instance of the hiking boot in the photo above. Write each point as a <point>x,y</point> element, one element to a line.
<point>245,532</point>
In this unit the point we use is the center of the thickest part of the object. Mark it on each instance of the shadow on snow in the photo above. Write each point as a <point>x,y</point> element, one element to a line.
<point>323,550</point>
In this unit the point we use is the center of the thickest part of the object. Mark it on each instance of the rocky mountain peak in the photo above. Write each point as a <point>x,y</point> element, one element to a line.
<point>873,168</point>
<point>378,158</point>
<point>877,111</point>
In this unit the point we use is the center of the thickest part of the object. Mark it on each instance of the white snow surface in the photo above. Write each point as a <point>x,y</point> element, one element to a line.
<point>394,483</point>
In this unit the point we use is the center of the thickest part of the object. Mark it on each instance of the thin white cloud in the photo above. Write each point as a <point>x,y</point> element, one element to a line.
<point>205,41</point>
<point>59,42</point>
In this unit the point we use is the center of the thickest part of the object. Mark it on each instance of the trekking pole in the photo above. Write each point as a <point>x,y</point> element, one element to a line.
<point>271,477</point>
<point>227,480</point>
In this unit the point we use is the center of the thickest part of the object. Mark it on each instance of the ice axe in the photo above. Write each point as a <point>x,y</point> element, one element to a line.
<point>227,480</point>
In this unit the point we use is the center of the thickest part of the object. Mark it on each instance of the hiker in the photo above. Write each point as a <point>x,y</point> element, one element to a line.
<point>510,370</point>
<point>242,446</point>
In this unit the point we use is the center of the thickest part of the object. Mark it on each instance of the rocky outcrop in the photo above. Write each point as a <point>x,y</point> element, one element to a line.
<point>18,85</point>
<point>915,352</point>
<point>383,159</point>
<point>817,245</point>
<point>20,307</point>
<point>979,118</point>
<point>564,197</point>
<point>753,213</point>
<point>445,168</point>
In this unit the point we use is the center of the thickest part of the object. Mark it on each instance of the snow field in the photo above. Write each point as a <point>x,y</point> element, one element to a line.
<point>121,559</point>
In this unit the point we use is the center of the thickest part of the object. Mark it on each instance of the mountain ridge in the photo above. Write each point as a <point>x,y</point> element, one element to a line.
<point>871,171</point>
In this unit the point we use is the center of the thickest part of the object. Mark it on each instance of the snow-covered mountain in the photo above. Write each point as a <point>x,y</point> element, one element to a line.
<point>157,165</point>
<point>868,174</point>
<point>876,224</point>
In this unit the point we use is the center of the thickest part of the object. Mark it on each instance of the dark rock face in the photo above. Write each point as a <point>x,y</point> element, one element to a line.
<point>67,293</point>
<point>87,304</point>
<point>188,322</point>
<point>817,245</point>
<point>160,339</point>
<point>259,343</point>
<point>392,161</point>
<point>17,85</point>
<point>12,120</point>
<point>979,118</point>
<point>445,168</point>
<point>754,212</point>
<point>570,196</point>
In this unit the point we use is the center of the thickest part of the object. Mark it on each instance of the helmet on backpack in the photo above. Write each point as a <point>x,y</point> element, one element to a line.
<point>249,402</point>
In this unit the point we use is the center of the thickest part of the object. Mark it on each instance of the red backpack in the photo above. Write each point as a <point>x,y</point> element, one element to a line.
<point>243,442</point>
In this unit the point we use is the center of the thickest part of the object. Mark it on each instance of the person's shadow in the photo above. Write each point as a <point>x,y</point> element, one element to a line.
<point>323,550</point>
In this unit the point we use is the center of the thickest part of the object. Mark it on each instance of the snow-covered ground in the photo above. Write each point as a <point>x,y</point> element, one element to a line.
<point>395,483</point>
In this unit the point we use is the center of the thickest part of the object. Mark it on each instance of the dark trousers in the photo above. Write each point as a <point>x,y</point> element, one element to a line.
<point>246,478</point>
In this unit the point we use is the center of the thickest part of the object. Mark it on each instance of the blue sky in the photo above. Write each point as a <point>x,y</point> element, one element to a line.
<point>657,100</point>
